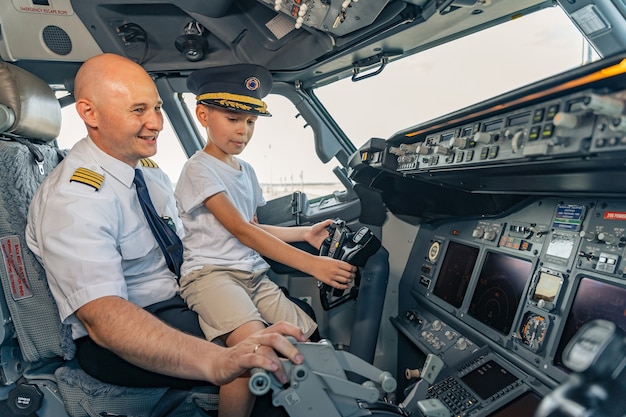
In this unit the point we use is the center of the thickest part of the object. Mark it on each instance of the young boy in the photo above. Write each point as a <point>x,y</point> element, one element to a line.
<point>223,276</point>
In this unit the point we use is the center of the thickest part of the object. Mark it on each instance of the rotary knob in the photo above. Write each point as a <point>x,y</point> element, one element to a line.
<point>589,236</point>
<point>460,143</point>
<point>397,151</point>
<point>605,105</point>
<point>489,235</point>
<point>436,325</point>
<point>483,137</point>
<point>567,120</point>
<point>606,237</point>
<point>517,142</point>
<point>461,343</point>
<point>409,147</point>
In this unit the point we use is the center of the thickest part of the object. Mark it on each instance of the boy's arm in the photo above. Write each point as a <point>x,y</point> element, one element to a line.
<point>313,235</point>
<point>337,274</point>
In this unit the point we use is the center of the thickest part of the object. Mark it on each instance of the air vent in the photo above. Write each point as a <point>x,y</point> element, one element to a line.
<point>57,40</point>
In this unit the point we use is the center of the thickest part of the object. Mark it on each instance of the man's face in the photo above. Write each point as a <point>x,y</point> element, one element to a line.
<point>129,120</point>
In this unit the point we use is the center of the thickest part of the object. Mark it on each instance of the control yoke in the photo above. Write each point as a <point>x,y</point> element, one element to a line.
<point>319,386</point>
<point>597,355</point>
<point>352,247</point>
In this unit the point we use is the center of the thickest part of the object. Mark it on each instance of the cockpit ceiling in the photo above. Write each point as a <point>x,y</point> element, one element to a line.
<point>313,44</point>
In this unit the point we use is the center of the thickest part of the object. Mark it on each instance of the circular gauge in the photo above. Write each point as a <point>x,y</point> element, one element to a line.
<point>534,330</point>
<point>433,251</point>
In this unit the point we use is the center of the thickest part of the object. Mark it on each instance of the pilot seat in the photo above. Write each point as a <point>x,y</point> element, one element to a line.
<point>38,373</point>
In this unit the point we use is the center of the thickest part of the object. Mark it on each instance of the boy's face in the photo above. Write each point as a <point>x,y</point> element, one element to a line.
<point>228,132</point>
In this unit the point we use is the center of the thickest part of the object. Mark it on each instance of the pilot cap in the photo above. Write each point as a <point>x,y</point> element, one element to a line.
<point>238,87</point>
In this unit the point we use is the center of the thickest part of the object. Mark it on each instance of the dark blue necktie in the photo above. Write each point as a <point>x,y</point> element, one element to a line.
<point>165,235</point>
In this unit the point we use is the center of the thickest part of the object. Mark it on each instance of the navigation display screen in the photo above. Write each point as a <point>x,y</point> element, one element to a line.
<point>488,379</point>
<point>499,290</point>
<point>523,406</point>
<point>593,300</point>
<point>456,271</point>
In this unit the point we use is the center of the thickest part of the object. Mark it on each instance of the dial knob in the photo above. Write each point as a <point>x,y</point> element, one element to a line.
<point>483,137</point>
<point>461,343</point>
<point>567,120</point>
<point>436,325</point>
<point>442,150</point>
<point>517,142</point>
<point>409,147</point>
<point>478,233</point>
<point>460,143</point>
<point>590,236</point>
<point>489,235</point>
<point>605,105</point>
<point>606,237</point>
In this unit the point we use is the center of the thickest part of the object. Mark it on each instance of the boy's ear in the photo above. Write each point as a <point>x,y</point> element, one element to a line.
<point>202,113</point>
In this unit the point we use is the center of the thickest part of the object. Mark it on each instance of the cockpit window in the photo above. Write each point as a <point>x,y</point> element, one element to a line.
<point>452,76</point>
<point>282,152</point>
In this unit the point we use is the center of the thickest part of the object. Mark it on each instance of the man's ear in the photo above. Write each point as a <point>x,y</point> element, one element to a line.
<point>86,111</point>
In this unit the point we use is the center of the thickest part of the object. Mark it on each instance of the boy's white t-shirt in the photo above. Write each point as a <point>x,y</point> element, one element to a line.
<point>206,241</point>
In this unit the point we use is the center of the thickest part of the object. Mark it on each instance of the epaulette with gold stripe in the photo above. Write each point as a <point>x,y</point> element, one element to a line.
<point>148,163</point>
<point>88,177</point>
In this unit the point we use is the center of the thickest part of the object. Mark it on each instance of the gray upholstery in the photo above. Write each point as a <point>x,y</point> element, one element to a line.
<point>28,314</point>
<point>35,318</point>
<point>37,114</point>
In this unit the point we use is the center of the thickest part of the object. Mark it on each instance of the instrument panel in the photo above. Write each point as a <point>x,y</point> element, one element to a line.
<point>521,240</point>
<point>565,134</point>
<point>508,293</point>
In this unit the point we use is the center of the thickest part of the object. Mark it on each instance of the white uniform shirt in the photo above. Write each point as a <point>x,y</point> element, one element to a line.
<point>206,241</point>
<point>97,242</point>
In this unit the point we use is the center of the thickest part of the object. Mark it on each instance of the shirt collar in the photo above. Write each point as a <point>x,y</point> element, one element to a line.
<point>113,166</point>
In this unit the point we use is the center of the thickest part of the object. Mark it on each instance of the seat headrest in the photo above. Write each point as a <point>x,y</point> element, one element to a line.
<point>28,106</point>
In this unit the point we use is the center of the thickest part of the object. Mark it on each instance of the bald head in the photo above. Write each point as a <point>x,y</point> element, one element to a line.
<point>103,74</point>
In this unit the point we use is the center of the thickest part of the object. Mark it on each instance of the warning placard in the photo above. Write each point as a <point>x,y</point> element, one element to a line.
<point>14,266</point>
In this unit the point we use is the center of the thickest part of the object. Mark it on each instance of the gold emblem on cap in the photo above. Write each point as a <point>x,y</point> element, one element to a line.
<point>252,83</point>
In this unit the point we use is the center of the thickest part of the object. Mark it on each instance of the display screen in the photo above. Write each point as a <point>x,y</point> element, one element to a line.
<point>499,290</point>
<point>548,287</point>
<point>446,136</point>
<point>488,379</point>
<point>561,245</point>
<point>523,406</point>
<point>593,300</point>
<point>491,126</point>
<point>456,271</point>
<point>519,119</point>
<point>569,217</point>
